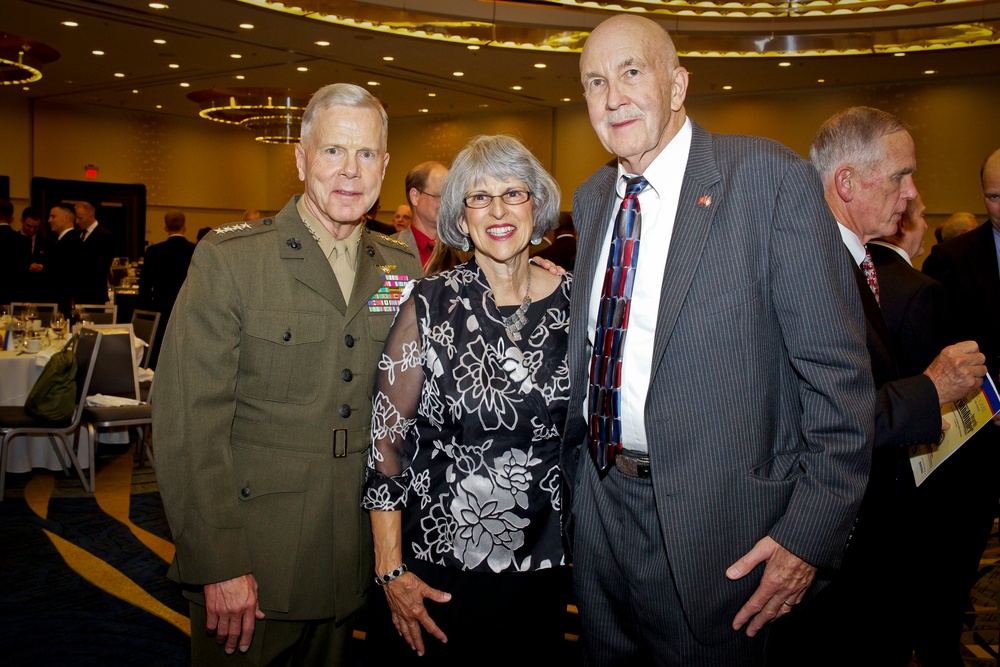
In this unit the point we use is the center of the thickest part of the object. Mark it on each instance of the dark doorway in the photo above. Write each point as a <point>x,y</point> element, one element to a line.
<point>120,207</point>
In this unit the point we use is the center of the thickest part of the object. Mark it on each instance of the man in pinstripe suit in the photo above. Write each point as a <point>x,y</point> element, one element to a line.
<point>746,399</point>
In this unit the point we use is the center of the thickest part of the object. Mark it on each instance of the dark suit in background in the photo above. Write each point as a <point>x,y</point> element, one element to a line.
<point>62,267</point>
<point>965,490</point>
<point>97,253</point>
<point>913,306</point>
<point>14,253</point>
<point>164,269</point>
<point>33,286</point>
<point>561,252</point>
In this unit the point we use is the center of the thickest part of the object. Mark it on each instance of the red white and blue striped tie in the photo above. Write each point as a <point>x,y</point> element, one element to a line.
<point>612,325</point>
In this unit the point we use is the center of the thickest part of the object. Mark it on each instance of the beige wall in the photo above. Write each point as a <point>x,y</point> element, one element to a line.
<point>213,172</point>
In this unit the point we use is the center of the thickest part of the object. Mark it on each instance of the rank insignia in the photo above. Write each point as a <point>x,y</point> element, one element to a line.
<point>233,228</point>
<point>386,299</point>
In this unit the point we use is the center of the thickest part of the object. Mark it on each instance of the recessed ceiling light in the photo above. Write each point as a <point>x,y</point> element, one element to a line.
<point>159,41</point>
<point>727,87</point>
<point>174,66</point>
<point>432,94</point>
<point>566,99</point>
<point>484,106</point>
<point>159,106</point>
<point>247,26</point>
<point>930,71</point>
<point>373,83</point>
<point>322,42</point>
<point>516,88</point>
<point>473,47</point>
<point>158,5</point>
<point>784,64</point>
<point>899,55</point>
<point>458,73</point>
<point>70,24</point>
<point>240,77</point>
<point>820,80</point>
<point>388,59</point>
<point>25,88</point>
<point>119,75</point>
<point>135,92</point>
<point>540,65</point>
<point>236,55</point>
<point>421,110</point>
<point>98,53</point>
<point>185,85</point>
<point>302,69</point>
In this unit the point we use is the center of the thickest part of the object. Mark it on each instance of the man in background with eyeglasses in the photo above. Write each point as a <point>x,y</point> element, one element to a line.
<point>423,191</point>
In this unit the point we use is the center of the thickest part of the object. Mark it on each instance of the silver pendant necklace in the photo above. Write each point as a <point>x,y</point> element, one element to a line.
<point>516,322</point>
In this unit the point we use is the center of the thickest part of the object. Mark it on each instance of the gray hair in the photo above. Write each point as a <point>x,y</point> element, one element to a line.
<point>502,157</point>
<point>852,137</point>
<point>344,95</point>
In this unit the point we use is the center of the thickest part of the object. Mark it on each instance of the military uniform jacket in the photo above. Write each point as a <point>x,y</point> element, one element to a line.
<point>262,415</point>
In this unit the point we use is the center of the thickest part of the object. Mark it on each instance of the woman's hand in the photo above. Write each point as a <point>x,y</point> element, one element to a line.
<point>549,266</point>
<point>405,595</point>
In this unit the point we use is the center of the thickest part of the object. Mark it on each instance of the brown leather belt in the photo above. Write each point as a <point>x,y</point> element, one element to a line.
<point>633,465</point>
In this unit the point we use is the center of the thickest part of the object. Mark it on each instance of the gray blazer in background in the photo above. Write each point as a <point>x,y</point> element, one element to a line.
<point>760,404</point>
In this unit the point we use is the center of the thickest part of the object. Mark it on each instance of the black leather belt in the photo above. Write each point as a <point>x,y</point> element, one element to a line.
<point>633,465</point>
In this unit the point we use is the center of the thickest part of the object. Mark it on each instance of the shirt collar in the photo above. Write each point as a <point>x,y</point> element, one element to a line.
<point>667,167</point>
<point>853,244</point>
<point>327,241</point>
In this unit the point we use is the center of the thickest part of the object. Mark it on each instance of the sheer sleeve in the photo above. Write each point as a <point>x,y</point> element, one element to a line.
<point>394,410</point>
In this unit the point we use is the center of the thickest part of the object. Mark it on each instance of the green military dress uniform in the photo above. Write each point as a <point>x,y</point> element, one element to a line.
<point>262,415</point>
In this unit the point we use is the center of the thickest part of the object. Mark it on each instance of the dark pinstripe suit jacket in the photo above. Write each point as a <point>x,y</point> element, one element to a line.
<point>759,409</point>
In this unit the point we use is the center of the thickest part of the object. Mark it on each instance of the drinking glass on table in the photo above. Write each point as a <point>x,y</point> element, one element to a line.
<point>30,314</point>
<point>18,331</point>
<point>58,324</point>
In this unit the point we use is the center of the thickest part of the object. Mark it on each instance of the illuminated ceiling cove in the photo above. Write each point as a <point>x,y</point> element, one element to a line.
<point>699,28</point>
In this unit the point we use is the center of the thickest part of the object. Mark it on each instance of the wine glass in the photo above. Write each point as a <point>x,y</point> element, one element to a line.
<point>30,315</point>
<point>58,324</point>
<point>17,331</point>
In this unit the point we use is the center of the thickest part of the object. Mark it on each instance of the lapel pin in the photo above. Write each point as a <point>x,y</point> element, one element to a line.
<point>705,201</point>
<point>293,243</point>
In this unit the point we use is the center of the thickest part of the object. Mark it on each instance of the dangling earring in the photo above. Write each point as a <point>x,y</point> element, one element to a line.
<point>535,241</point>
<point>466,244</point>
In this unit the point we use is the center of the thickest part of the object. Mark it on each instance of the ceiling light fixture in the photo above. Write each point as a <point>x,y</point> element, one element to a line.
<point>22,58</point>
<point>703,28</point>
<point>273,115</point>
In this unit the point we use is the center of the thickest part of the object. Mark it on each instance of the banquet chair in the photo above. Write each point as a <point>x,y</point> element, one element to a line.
<point>115,374</point>
<point>45,310</point>
<point>14,421</point>
<point>97,313</point>
<point>145,324</point>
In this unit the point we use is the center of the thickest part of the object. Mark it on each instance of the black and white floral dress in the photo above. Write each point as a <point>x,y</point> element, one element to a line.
<point>466,427</point>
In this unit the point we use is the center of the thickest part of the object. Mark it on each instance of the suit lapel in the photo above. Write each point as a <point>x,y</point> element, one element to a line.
<point>700,197</point>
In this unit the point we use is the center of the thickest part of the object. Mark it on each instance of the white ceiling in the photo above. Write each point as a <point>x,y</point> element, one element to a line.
<point>201,34</point>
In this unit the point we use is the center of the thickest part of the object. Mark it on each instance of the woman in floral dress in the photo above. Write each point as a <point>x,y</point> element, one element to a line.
<point>463,482</point>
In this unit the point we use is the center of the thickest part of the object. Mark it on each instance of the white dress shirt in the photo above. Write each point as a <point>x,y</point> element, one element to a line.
<point>658,205</point>
<point>853,244</point>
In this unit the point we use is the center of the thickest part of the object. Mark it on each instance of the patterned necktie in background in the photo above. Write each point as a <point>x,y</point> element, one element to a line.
<point>869,268</point>
<point>612,323</point>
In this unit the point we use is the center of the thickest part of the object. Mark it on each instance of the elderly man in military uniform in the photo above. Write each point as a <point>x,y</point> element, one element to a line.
<point>262,415</point>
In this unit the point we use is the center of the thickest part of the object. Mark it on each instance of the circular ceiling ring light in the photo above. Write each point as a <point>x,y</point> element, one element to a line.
<point>21,59</point>
<point>273,115</point>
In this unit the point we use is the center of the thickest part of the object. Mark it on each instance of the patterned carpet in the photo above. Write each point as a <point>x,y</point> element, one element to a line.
<point>83,578</point>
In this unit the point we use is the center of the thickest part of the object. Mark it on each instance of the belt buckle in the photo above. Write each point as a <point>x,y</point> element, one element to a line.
<point>632,466</point>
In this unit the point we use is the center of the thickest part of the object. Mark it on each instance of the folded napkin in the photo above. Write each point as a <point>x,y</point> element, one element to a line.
<point>102,401</point>
<point>145,374</point>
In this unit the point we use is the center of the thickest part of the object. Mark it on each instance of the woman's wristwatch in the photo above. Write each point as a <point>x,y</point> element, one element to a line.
<point>395,574</point>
